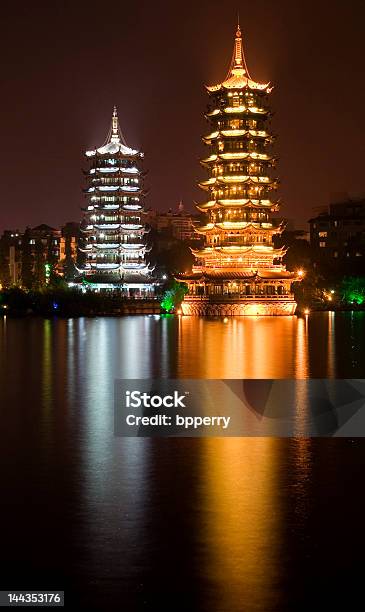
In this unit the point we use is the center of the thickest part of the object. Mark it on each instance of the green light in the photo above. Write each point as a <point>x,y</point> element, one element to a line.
<point>167,303</point>
<point>356,298</point>
<point>173,297</point>
<point>353,290</point>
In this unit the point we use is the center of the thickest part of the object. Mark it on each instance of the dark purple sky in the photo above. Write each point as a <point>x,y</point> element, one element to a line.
<point>65,64</point>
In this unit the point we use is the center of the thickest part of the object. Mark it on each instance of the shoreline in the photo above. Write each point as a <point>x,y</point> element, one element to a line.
<point>144,309</point>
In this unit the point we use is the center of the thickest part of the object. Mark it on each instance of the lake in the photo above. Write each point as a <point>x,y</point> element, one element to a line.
<point>218,525</point>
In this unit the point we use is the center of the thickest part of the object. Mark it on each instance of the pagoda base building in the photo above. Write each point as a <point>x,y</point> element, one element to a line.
<point>230,292</point>
<point>239,271</point>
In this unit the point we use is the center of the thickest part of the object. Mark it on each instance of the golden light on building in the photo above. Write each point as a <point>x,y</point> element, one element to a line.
<point>239,271</point>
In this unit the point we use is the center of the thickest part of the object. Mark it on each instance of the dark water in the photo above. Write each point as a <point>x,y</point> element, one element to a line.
<point>218,525</point>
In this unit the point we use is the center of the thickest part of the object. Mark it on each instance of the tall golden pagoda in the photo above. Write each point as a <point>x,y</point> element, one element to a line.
<point>239,271</point>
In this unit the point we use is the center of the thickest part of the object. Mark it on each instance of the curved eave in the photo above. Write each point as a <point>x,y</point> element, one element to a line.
<point>238,110</point>
<point>244,203</point>
<point>140,231</point>
<point>131,248</point>
<point>238,82</point>
<point>114,149</point>
<point>240,225</point>
<point>254,180</point>
<point>139,268</point>
<point>115,175</point>
<point>238,155</point>
<point>257,227</point>
<point>236,134</point>
<point>239,250</point>
<point>107,247</point>
<point>243,156</point>
<point>138,210</point>
<point>247,110</point>
<point>102,266</point>
<point>106,226</point>
<point>277,275</point>
<point>236,274</point>
<point>117,189</point>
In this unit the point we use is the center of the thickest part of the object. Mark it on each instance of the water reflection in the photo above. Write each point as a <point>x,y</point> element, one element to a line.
<point>301,450</point>
<point>262,347</point>
<point>222,524</point>
<point>241,487</point>
<point>331,347</point>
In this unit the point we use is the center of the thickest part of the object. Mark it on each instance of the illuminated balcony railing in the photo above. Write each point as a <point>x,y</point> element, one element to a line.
<point>105,266</point>
<point>131,226</point>
<point>107,226</point>
<point>229,297</point>
<point>132,261</point>
<point>132,244</point>
<point>107,245</point>
<point>250,264</point>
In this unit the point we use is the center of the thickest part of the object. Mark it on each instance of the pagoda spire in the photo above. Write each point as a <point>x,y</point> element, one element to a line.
<point>115,134</point>
<point>238,58</point>
<point>238,75</point>
<point>115,127</point>
<point>238,66</point>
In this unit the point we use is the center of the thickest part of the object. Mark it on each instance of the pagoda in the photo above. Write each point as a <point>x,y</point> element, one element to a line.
<point>239,271</point>
<point>113,231</point>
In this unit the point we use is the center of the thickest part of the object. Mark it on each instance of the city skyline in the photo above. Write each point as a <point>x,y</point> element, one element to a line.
<point>155,68</point>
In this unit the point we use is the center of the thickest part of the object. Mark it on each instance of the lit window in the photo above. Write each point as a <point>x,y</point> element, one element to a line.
<point>322,234</point>
<point>322,244</point>
<point>335,254</point>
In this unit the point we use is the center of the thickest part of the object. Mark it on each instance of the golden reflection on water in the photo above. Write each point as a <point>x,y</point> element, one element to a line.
<point>331,345</point>
<point>302,466</point>
<point>246,347</point>
<point>47,369</point>
<point>240,500</point>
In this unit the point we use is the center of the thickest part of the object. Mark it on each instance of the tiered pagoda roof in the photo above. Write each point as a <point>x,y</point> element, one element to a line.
<point>238,76</point>
<point>115,142</point>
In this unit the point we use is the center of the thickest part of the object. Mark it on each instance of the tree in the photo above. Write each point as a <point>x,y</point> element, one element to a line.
<point>173,296</point>
<point>353,290</point>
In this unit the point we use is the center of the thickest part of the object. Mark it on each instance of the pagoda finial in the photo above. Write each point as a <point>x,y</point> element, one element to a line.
<point>238,55</point>
<point>115,133</point>
<point>114,136</point>
<point>238,65</point>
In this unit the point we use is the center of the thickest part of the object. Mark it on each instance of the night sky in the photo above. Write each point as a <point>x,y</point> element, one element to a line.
<point>65,64</point>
